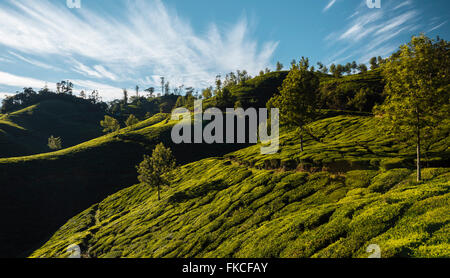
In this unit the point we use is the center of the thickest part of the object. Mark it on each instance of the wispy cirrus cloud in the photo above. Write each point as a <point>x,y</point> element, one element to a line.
<point>12,80</point>
<point>438,26</point>
<point>149,39</point>
<point>373,32</point>
<point>33,62</point>
<point>329,5</point>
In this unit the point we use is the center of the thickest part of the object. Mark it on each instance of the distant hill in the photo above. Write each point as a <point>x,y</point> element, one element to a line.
<point>350,188</point>
<point>26,132</point>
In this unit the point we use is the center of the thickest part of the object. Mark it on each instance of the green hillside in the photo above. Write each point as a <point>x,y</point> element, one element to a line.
<point>39,193</point>
<point>350,188</point>
<point>26,132</point>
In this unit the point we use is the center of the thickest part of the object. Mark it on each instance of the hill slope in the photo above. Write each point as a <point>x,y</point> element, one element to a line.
<point>26,132</point>
<point>263,210</point>
<point>58,185</point>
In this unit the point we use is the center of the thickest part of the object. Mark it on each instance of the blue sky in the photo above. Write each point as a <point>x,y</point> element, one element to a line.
<point>110,45</point>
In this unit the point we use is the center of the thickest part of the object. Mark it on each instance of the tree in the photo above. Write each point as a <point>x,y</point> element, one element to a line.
<point>94,97</point>
<point>354,66</point>
<point>373,63</point>
<point>125,96</point>
<point>150,91</point>
<point>82,95</point>
<point>153,171</point>
<point>348,68</point>
<point>167,88</point>
<point>322,67</point>
<point>64,87</point>
<point>165,107</point>
<point>297,98</point>
<point>55,143</point>
<point>163,83</point>
<point>132,120</point>
<point>224,98</point>
<point>110,124</point>
<point>207,93</point>
<point>279,66</point>
<point>362,68</point>
<point>417,90</point>
<point>218,84</point>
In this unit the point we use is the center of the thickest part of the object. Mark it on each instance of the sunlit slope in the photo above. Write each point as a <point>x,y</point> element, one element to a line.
<point>348,197</point>
<point>39,193</point>
<point>26,132</point>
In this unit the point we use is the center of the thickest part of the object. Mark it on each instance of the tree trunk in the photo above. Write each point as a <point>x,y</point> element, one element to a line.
<point>159,196</point>
<point>419,170</point>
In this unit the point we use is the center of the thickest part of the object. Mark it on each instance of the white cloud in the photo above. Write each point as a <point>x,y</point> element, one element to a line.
<point>403,4</point>
<point>437,26</point>
<point>33,62</point>
<point>373,32</point>
<point>108,92</point>
<point>330,4</point>
<point>149,39</point>
<point>12,80</point>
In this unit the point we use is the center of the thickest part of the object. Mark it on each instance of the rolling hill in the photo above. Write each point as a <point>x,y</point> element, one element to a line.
<point>347,172</point>
<point>26,132</point>
<point>350,188</point>
<point>39,193</point>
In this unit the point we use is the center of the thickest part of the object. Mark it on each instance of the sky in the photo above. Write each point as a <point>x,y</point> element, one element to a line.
<point>110,45</point>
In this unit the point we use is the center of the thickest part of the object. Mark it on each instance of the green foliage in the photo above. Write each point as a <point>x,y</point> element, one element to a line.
<point>165,107</point>
<point>132,120</point>
<point>415,82</point>
<point>207,93</point>
<point>26,131</point>
<point>418,100</point>
<point>297,98</point>
<point>224,98</point>
<point>54,143</point>
<point>110,124</point>
<point>152,169</point>
<point>208,213</point>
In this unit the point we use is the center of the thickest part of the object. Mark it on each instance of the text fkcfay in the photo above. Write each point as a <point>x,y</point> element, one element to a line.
<point>212,269</point>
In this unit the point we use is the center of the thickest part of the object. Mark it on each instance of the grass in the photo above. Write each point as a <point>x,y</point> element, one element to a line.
<point>69,180</point>
<point>264,213</point>
<point>342,201</point>
<point>26,132</point>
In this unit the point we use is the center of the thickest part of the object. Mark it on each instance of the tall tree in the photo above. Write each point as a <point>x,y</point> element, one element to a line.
<point>153,170</point>
<point>279,66</point>
<point>150,91</point>
<point>110,124</point>
<point>163,84</point>
<point>354,66</point>
<point>417,90</point>
<point>362,68</point>
<point>218,84</point>
<point>297,98</point>
<point>207,93</point>
<point>373,63</point>
<point>64,87</point>
<point>125,96</point>
<point>167,88</point>
<point>132,120</point>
